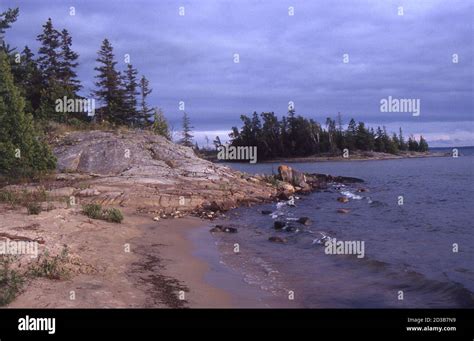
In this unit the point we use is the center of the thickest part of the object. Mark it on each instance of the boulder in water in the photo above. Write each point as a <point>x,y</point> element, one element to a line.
<point>305,221</point>
<point>276,239</point>
<point>292,176</point>
<point>278,225</point>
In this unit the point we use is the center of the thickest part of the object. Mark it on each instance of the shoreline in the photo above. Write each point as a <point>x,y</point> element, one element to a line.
<point>356,157</point>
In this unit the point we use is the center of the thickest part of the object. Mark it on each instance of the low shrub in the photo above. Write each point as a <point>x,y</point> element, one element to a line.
<point>11,280</point>
<point>52,267</point>
<point>113,214</point>
<point>95,211</point>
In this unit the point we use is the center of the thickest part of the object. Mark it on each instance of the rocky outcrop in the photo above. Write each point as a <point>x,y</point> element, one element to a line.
<point>292,176</point>
<point>146,171</point>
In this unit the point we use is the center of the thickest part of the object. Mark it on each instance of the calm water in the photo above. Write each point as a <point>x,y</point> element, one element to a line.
<point>408,248</point>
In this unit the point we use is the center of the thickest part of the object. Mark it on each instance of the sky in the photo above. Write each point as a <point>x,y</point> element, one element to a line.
<point>228,58</point>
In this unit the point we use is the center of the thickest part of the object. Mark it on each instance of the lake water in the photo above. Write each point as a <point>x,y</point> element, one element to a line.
<point>410,258</point>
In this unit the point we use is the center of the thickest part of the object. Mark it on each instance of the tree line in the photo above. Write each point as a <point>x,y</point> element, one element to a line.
<point>296,136</point>
<point>31,85</point>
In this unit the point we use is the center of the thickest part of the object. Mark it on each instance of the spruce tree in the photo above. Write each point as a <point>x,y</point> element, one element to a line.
<point>109,88</point>
<point>27,78</point>
<point>130,96</point>
<point>187,139</point>
<point>422,145</point>
<point>67,65</point>
<point>23,153</point>
<point>145,110</point>
<point>160,125</point>
<point>49,65</point>
<point>6,19</point>
<point>401,140</point>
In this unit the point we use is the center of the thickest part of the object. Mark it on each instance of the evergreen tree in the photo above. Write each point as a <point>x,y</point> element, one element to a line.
<point>6,19</point>
<point>145,110</point>
<point>351,133</point>
<point>187,139</point>
<point>28,79</point>
<point>109,87</point>
<point>401,141</point>
<point>412,144</point>
<point>23,153</point>
<point>130,99</point>
<point>67,65</point>
<point>49,66</point>
<point>422,145</point>
<point>160,125</point>
<point>379,140</point>
<point>362,138</point>
<point>217,141</point>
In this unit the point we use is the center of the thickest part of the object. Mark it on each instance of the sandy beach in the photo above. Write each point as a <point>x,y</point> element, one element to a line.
<point>159,266</point>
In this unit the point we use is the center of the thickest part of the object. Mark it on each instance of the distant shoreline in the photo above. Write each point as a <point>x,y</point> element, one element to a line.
<point>357,156</point>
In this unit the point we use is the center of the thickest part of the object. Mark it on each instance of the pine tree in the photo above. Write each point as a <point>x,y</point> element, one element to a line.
<point>379,141</point>
<point>6,19</point>
<point>351,132</point>
<point>401,141</point>
<point>23,153</point>
<point>49,65</point>
<point>48,53</point>
<point>67,64</point>
<point>217,141</point>
<point>160,125</point>
<point>109,88</point>
<point>187,139</point>
<point>412,144</point>
<point>27,78</point>
<point>422,145</point>
<point>130,96</point>
<point>145,110</point>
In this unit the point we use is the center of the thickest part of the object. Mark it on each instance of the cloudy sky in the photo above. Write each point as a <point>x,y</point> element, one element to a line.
<point>330,56</point>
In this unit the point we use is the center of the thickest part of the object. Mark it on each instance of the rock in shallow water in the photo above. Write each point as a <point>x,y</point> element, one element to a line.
<point>220,228</point>
<point>276,239</point>
<point>278,225</point>
<point>305,221</point>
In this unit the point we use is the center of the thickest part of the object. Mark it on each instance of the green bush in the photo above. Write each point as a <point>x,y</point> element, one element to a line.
<point>93,211</point>
<point>23,152</point>
<point>52,267</point>
<point>11,281</point>
<point>33,207</point>
<point>113,214</point>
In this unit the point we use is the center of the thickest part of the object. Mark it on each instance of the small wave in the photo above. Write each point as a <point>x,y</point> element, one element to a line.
<point>351,195</point>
